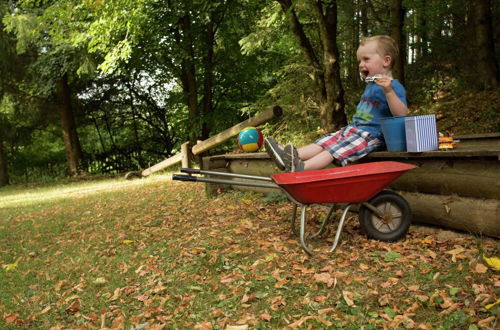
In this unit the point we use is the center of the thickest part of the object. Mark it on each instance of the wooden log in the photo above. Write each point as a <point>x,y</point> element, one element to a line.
<point>466,178</point>
<point>474,215</point>
<point>257,120</point>
<point>164,164</point>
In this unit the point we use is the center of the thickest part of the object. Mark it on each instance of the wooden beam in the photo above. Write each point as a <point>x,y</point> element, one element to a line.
<point>473,215</point>
<point>257,120</point>
<point>164,164</point>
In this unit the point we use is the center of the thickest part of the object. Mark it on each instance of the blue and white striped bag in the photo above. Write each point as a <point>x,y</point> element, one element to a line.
<point>421,133</point>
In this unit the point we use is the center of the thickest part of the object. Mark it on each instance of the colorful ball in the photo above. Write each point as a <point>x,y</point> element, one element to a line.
<point>250,139</point>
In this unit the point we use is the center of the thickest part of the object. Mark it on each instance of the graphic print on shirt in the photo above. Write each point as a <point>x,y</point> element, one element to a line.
<point>364,109</point>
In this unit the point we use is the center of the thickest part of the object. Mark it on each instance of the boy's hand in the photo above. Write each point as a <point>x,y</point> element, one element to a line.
<point>385,83</point>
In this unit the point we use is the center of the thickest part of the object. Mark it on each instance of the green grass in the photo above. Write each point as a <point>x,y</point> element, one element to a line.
<point>118,253</point>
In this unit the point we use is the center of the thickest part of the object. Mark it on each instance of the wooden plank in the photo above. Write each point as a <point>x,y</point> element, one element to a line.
<point>164,164</point>
<point>257,120</point>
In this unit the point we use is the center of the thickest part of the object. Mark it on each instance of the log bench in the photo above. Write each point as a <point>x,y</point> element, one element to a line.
<point>458,189</point>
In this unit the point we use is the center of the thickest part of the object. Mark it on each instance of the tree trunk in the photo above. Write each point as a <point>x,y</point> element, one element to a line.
<point>423,34</point>
<point>363,17</point>
<point>188,68</point>
<point>74,154</point>
<point>397,19</point>
<point>332,105</point>
<point>4,174</point>
<point>486,68</point>
<point>207,82</point>
<point>326,75</point>
<point>354,68</point>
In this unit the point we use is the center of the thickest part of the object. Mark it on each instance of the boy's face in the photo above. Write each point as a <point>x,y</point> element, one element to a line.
<point>371,62</point>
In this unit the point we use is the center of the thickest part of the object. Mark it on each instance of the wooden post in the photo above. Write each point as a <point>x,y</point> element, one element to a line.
<point>186,155</point>
<point>259,119</point>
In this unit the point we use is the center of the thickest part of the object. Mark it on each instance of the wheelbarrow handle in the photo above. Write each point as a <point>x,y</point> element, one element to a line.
<point>225,174</point>
<point>190,170</point>
<point>180,177</point>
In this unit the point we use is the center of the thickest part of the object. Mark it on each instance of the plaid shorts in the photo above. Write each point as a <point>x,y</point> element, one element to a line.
<point>350,144</point>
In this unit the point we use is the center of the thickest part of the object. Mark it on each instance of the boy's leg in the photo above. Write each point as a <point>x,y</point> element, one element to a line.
<point>321,160</point>
<point>309,151</point>
<point>294,163</point>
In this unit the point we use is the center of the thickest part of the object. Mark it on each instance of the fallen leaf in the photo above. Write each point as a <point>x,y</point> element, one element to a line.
<point>204,326</point>
<point>384,300</point>
<point>266,316</point>
<point>480,269</point>
<point>326,311</point>
<point>490,306</point>
<point>61,284</point>
<point>247,298</point>
<point>118,323</point>
<point>364,266</point>
<point>484,322</point>
<point>13,266</point>
<point>10,318</point>
<point>237,327</point>
<point>455,252</point>
<point>422,298</point>
<point>74,307</point>
<point>324,278</point>
<point>348,297</point>
<point>493,262</point>
<point>301,321</point>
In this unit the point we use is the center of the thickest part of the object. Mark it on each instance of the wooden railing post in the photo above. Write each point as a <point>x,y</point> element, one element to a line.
<point>186,155</point>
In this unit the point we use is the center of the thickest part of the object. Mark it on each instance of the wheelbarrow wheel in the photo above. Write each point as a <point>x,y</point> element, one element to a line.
<point>394,223</point>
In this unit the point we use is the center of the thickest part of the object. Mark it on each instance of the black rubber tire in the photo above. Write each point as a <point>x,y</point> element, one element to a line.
<point>396,221</point>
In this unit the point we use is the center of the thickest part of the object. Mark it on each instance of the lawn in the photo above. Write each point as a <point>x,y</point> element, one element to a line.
<point>155,253</point>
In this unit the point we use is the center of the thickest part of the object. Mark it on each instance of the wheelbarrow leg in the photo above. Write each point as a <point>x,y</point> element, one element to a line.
<point>339,229</point>
<point>294,216</point>
<point>325,222</point>
<point>303,230</point>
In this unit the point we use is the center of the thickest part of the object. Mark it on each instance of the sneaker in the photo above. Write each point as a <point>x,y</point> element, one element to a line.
<point>275,152</point>
<point>293,163</point>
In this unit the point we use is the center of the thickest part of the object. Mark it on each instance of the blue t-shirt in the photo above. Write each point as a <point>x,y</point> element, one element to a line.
<point>373,106</point>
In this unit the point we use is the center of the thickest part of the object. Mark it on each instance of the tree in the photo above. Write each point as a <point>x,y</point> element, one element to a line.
<point>325,66</point>
<point>44,27</point>
<point>397,22</point>
<point>487,66</point>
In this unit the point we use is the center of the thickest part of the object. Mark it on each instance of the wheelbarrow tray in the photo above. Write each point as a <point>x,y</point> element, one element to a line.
<point>350,184</point>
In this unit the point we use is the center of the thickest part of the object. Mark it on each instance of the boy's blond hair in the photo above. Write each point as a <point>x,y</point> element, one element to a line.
<point>386,46</point>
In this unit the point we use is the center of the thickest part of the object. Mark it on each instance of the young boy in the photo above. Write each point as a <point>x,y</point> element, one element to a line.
<point>382,97</point>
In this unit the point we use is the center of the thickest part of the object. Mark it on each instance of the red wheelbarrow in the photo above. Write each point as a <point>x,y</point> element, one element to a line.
<point>383,215</point>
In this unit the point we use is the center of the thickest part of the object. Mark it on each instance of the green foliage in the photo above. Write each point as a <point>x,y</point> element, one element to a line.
<point>127,63</point>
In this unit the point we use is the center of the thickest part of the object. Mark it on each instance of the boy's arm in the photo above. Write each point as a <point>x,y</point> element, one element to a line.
<point>397,107</point>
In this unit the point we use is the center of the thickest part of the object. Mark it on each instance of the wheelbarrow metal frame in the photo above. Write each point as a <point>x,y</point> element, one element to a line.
<point>296,203</point>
